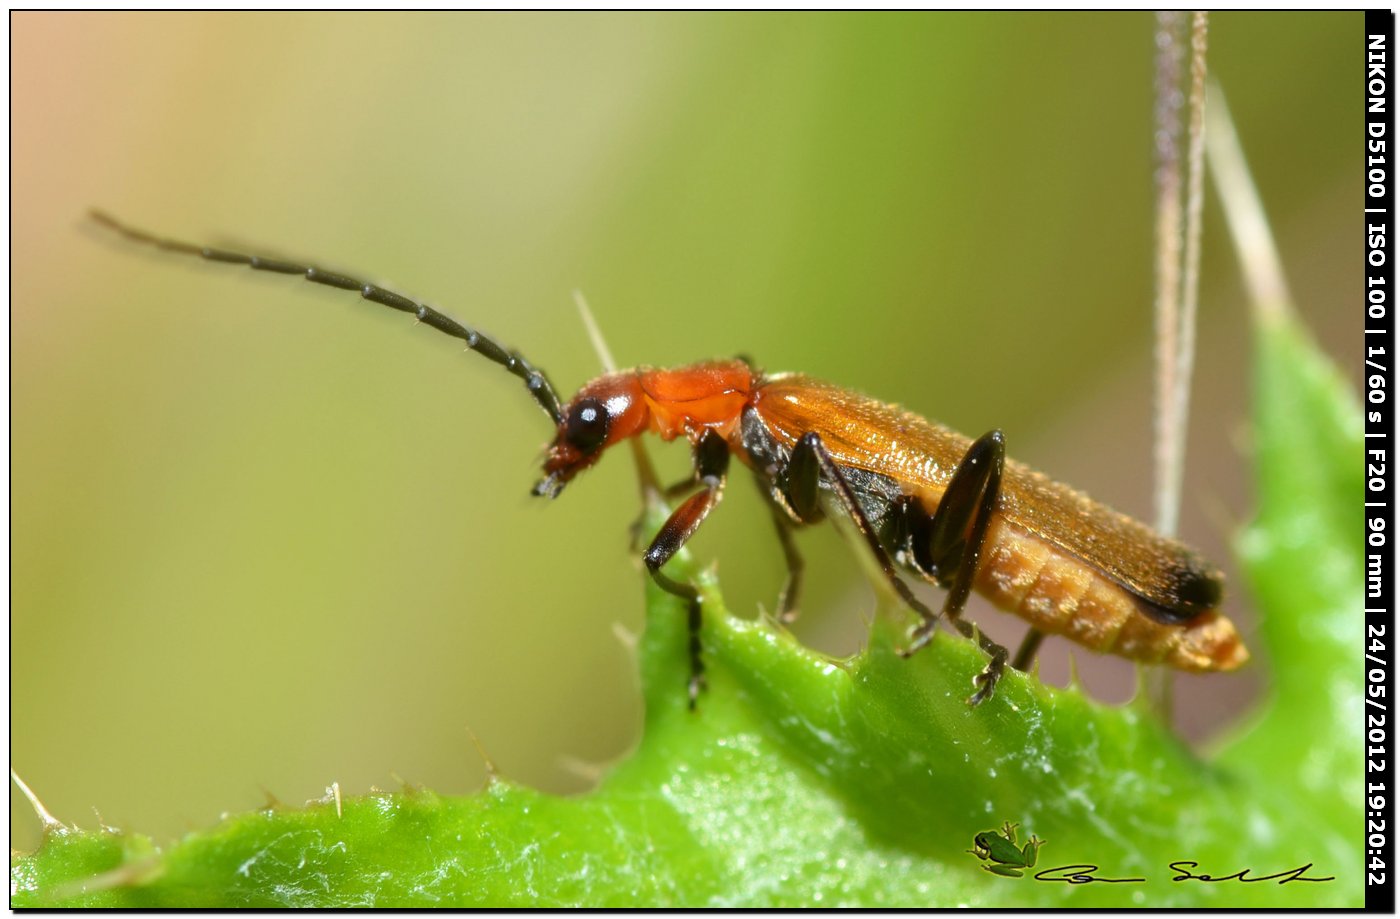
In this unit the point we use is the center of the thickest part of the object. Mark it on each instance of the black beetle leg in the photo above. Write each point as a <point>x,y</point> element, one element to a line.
<point>711,464</point>
<point>956,537</point>
<point>1025,654</point>
<point>810,446</point>
<point>792,587</point>
<point>785,520</point>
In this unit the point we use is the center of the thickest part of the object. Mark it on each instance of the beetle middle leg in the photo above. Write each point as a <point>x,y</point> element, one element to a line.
<point>792,502</point>
<point>801,494</point>
<point>792,587</point>
<point>711,464</point>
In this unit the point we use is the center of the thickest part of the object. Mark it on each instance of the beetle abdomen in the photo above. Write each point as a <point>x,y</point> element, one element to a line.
<point>1060,594</point>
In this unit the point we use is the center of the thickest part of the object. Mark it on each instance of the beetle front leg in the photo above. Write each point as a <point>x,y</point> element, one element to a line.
<point>711,464</point>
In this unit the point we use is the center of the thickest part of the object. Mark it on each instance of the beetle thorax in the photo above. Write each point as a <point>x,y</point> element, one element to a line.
<point>686,401</point>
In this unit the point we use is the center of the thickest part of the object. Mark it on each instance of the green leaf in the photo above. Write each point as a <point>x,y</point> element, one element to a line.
<point>806,781</point>
<point>1304,558</point>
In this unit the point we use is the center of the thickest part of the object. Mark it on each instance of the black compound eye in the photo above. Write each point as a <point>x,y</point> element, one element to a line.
<point>587,425</point>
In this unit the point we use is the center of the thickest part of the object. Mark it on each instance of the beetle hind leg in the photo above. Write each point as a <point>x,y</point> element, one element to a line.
<point>950,541</point>
<point>1025,654</point>
<point>952,547</point>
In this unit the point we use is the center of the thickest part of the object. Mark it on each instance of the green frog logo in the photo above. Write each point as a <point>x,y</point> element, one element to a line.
<point>1000,852</point>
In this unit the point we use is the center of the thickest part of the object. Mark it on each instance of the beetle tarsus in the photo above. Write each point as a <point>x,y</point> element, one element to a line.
<point>694,617</point>
<point>986,681</point>
<point>695,686</point>
<point>919,637</point>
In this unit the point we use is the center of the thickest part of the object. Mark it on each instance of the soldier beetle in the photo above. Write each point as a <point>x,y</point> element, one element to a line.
<point>925,500</point>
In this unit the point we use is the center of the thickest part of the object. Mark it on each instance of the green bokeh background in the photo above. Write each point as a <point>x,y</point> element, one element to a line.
<point>268,537</point>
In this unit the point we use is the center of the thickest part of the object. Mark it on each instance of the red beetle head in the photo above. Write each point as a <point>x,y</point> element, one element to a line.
<point>606,411</point>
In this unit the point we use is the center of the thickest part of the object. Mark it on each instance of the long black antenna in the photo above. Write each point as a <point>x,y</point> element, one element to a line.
<point>535,380</point>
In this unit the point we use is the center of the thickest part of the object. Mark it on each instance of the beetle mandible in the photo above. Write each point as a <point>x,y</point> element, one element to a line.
<point>925,500</point>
